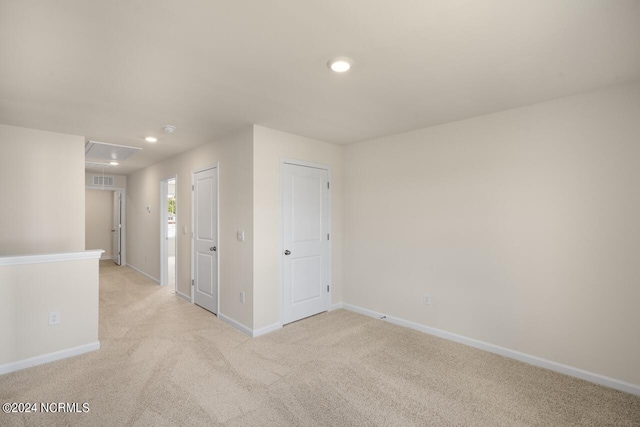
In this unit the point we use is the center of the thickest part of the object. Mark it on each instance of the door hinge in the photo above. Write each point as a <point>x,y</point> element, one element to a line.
<point>193,187</point>
<point>328,186</point>
<point>327,288</point>
<point>327,236</point>
<point>193,282</point>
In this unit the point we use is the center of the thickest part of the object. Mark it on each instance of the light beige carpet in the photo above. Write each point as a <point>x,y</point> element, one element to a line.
<point>166,362</point>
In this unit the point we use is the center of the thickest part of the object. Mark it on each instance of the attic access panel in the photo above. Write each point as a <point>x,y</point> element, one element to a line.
<point>111,152</point>
<point>98,165</point>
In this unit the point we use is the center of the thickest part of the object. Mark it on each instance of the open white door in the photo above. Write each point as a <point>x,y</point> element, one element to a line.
<point>168,246</point>
<point>305,241</point>
<point>205,239</point>
<point>116,231</point>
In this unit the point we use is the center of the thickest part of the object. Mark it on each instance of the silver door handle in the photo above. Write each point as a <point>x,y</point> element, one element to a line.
<point>213,248</point>
<point>287,252</point>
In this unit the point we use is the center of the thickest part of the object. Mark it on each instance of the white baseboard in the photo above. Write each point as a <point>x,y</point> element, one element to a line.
<point>137,270</point>
<point>245,329</point>
<point>502,351</point>
<point>239,326</point>
<point>336,306</point>
<point>49,357</point>
<point>266,329</point>
<point>184,296</point>
<point>106,257</point>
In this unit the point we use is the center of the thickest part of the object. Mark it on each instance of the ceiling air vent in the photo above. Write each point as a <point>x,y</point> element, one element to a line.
<point>106,181</point>
<point>98,165</point>
<point>102,151</point>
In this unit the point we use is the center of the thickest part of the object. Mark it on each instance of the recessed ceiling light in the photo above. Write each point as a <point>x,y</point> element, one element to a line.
<point>340,64</point>
<point>169,128</point>
<point>113,163</point>
<point>151,139</point>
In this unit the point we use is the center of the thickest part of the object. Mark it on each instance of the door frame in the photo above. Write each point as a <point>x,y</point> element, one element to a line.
<point>215,166</point>
<point>283,161</point>
<point>123,218</point>
<point>164,266</point>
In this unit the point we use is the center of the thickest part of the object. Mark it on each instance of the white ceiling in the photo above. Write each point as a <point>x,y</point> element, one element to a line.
<point>116,71</point>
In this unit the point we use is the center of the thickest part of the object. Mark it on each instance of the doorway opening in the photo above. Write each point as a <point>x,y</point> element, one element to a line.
<point>116,231</point>
<point>105,227</point>
<point>168,243</point>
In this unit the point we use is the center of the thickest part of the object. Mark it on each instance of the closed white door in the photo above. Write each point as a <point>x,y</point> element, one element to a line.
<point>306,245</point>
<point>116,231</point>
<point>205,235</point>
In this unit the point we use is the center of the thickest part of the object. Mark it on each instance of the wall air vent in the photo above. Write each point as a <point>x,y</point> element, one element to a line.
<point>103,181</point>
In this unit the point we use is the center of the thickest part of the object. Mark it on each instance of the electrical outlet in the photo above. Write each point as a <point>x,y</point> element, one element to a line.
<point>427,299</point>
<point>242,299</point>
<point>54,318</point>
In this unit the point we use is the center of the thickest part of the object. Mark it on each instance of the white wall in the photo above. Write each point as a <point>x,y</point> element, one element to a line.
<point>42,176</point>
<point>269,147</point>
<point>249,201</point>
<point>29,292</point>
<point>234,154</point>
<point>522,225</point>
<point>99,221</point>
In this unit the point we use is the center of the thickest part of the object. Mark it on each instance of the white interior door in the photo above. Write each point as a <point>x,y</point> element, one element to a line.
<point>306,247</point>
<point>116,231</point>
<point>205,235</point>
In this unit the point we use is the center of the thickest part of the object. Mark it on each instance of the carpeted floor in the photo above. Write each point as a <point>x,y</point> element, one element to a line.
<point>164,361</point>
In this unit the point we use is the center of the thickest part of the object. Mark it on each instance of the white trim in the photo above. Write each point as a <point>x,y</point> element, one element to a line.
<point>183,296</point>
<point>137,270</point>
<point>253,333</point>
<point>328,168</point>
<point>6,261</point>
<point>336,306</point>
<point>239,326</point>
<point>266,330</point>
<point>304,163</point>
<point>502,351</point>
<point>49,357</point>
<point>106,258</point>
<point>218,233</point>
<point>193,243</point>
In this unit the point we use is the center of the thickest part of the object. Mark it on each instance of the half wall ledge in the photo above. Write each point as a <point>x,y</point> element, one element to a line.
<point>48,307</point>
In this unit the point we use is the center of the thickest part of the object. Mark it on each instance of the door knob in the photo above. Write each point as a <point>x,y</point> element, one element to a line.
<point>213,248</point>
<point>287,252</point>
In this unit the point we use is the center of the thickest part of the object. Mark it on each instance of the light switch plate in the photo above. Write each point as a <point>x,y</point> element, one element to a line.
<point>240,236</point>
